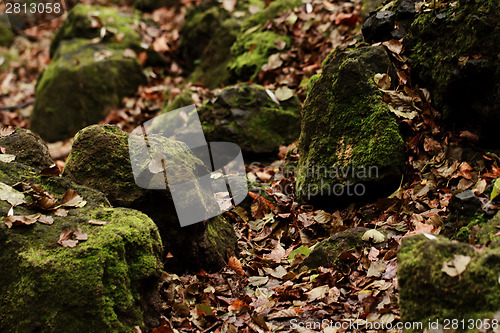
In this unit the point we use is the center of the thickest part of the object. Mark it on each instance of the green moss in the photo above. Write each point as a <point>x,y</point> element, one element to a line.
<point>79,87</point>
<point>427,293</point>
<point>251,51</point>
<point>346,125</point>
<point>119,28</point>
<point>94,287</point>
<point>489,232</point>
<point>179,101</point>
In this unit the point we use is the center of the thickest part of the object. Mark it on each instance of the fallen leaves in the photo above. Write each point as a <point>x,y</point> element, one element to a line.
<point>11,195</point>
<point>374,236</point>
<point>72,199</point>
<point>65,238</point>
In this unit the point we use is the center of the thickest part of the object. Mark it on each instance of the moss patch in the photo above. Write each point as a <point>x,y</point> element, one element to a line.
<point>251,51</point>
<point>28,148</point>
<point>348,134</point>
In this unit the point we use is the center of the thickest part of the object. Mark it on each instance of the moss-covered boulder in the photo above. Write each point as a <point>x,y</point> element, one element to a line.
<point>203,245</point>
<point>80,86</point>
<point>328,251</point>
<point>350,146</point>
<point>104,284</point>
<point>454,52</point>
<point>88,22</point>
<point>213,69</point>
<point>28,147</point>
<point>247,115</point>
<point>442,279</point>
<point>200,25</point>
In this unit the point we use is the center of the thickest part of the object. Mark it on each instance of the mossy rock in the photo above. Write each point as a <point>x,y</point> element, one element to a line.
<point>427,293</point>
<point>104,284</point>
<point>213,70</point>
<point>6,33</point>
<point>350,146</point>
<point>194,247</point>
<point>119,27</point>
<point>28,148</point>
<point>246,115</point>
<point>199,28</point>
<point>183,99</point>
<point>328,251</point>
<point>80,86</point>
<point>454,53</point>
<point>488,234</point>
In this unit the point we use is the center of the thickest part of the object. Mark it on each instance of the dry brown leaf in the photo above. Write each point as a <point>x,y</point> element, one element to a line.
<point>61,212</point>
<point>51,171</point>
<point>46,219</point>
<point>6,131</point>
<point>80,236</point>
<point>15,220</point>
<point>235,265</point>
<point>99,223</point>
<point>72,199</point>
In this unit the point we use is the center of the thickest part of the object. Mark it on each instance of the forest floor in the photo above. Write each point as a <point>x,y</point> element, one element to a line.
<point>264,287</point>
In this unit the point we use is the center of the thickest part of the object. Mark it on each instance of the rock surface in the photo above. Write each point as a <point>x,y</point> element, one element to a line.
<point>350,147</point>
<point>202,245</point>
<point>80,86</point>
<point>454,53</point>
<point>86,22</point>
<point>28,147</point>
<point>104,284</point>
<point>328,251</point>
<point>247,115</point>
<point>428,293</point>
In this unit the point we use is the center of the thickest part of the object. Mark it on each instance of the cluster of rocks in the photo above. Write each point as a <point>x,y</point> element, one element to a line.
<point>346,132</point>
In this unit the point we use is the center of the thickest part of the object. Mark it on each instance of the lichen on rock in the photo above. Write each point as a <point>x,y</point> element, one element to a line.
<point>349,136</point>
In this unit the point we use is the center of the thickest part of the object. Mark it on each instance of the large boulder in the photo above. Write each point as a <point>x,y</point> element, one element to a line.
<point>246,114</point>
<point>202,245</point>
<point>88,22</point>
<point>28,148</point>
<point>453,51</point>
<point>81,84</point>
<point>442,279</point>
<point>107,283</point>
<point>200,25</point>
<point>350,146</point>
